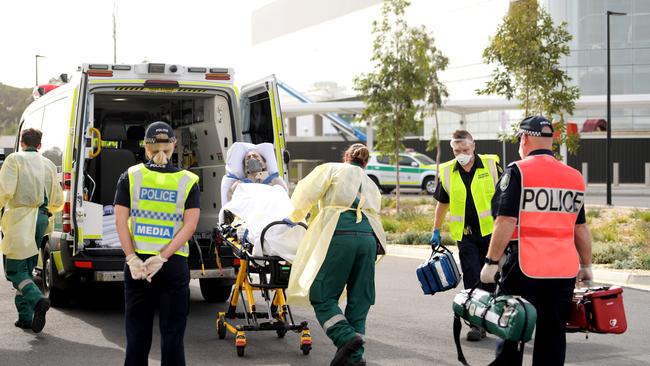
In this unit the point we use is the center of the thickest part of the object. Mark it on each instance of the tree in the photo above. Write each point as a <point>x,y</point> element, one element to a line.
<point>404,86</point>
<point>527,49</point>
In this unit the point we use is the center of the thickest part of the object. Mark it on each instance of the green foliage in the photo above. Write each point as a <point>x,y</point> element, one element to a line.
<point>642,215</point>
<point>406,64</point>
<point>596,212</point>
<point>433,142</point>
<point>621,239</point>
<point>606,233</point>
<point>608,253</point>
<point>527,49</point>
<point>622,255</point>
<point>13,102</point>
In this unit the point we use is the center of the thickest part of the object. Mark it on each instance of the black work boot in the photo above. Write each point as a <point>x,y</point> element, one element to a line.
<point>342,356</point>
<point>23,324</point>
<point>475,334</point>
<point>38,323</point>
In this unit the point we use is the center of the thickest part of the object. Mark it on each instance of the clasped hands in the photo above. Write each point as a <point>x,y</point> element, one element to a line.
<point>144,270</point>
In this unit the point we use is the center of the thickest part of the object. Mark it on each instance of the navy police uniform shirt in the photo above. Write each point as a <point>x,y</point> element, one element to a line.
<point>123,196</point>
<point>507,197</point>
<point>442,196</point>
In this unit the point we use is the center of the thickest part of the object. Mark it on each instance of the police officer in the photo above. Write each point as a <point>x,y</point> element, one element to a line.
<point>465,188</point>
<point>157,208</point>
<point>539,209</point>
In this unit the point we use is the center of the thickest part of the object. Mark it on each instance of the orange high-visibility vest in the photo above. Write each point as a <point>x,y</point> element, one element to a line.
<point>552,195</point>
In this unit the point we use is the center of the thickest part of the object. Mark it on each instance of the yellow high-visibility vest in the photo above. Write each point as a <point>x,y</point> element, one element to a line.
<point>482,189</point>
<point>157,206</point>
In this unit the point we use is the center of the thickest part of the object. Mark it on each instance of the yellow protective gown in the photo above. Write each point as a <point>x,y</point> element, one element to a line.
<point>334,186</point>
<point>24,177</point>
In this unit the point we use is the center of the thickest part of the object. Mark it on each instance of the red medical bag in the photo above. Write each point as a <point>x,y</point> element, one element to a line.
<point>597,310</point>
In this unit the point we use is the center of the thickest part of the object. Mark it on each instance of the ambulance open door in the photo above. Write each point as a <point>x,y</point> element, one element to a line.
<point>262,119</point>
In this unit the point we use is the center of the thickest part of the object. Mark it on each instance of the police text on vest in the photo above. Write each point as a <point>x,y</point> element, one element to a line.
<point>552,200</point>
<point>160,195</point>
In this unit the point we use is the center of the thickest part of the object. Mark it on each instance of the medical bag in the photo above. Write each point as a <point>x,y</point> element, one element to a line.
<point>439,273</point>
<point>510,318</point>
<point>597,310</point>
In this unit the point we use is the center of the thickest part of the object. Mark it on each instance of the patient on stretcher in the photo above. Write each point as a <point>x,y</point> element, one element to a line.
<point>255,194</point>
<point>248,163</point>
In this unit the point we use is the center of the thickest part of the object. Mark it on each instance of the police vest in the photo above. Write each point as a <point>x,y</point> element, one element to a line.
<point>552,195</point>
<point>157,206</point>
<point>482,190</point>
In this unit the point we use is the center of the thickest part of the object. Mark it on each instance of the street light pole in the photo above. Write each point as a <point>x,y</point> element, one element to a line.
<point>608,145</point>
<point>37,56</point>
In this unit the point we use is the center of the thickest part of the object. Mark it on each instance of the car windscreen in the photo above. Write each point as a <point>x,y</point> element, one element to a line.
<point>424,159</point>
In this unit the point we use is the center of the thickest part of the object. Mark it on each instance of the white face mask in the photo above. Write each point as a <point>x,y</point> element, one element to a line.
<point>463,159</point>
<point>521,150</point>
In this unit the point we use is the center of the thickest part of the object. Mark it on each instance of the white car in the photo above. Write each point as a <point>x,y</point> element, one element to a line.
<point>416,170</point>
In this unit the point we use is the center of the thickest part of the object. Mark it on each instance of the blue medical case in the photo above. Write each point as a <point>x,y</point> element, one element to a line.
<point>439,273</point>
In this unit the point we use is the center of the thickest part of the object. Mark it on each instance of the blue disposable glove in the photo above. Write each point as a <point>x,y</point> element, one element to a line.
<point>289,223</point>
<point>436,239</point>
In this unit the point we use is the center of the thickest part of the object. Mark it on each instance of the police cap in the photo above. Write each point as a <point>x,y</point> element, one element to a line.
<point>534,125</point>
<point>152,135</point>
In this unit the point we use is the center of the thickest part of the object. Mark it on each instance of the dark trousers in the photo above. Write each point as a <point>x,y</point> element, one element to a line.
<point>168,291</point>
<point>350,262</point>
<point>472,251</point>
<point>552,300</point>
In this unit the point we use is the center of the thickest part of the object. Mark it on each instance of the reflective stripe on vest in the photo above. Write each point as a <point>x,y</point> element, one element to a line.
<point>482,189</point>
<point>550,204</point>
<point>157,207</point>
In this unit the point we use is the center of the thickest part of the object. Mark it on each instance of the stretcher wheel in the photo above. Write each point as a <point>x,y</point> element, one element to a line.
<point>281,332</point>
<point>240,342</point>
<point>305,348</point>
<point>221,327</point>
<point>305,341</point>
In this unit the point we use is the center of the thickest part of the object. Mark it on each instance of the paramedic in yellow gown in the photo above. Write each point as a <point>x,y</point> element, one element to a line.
<point>339,250</point>
<point>30,191</point>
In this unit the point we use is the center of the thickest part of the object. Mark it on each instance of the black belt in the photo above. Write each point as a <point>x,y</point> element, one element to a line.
<point>354,233</point>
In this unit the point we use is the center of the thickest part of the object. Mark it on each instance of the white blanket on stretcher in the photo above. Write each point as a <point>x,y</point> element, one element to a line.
<point>257,205</point>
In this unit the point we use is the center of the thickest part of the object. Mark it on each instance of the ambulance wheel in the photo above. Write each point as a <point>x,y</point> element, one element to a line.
<point>429,185</point>
<point>50,280</point>
<point>214,289</point>
<point>240,351</point>
<point>221,327</point>
<point>281,332</point>
<point>305,348</point>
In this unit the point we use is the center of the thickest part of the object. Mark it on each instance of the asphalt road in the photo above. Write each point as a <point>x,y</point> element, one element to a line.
<point>404,328</point>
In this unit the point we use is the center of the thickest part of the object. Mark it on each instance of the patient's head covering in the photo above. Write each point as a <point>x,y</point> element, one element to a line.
<point>235,168</point>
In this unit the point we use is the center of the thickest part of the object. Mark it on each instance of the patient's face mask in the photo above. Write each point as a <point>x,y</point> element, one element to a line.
<point>254,166</point>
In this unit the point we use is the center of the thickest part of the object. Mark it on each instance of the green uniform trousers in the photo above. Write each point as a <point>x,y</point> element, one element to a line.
<point>19,272</point>
<point>350,262</point>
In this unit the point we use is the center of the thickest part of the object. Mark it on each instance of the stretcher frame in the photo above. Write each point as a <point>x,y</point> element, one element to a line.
<point>278,311</point>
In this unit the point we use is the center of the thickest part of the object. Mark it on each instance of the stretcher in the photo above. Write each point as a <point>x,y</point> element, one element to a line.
<point>268,275</point>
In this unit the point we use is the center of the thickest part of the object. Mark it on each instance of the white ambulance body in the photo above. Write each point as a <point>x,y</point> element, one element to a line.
<point>93,130</point>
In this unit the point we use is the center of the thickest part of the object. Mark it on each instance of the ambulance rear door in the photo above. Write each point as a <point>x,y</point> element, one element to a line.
<point>261,119</point>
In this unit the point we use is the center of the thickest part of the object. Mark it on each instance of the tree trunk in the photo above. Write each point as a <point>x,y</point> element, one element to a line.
<point>437,149</point>
<point>397,193</point>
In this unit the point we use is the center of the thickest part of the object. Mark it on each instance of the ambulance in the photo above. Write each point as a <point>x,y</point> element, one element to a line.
<point>93,130</point>
<point>416,170</point>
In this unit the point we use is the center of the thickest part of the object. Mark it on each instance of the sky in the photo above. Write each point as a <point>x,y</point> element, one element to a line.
<point>218,33</point>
